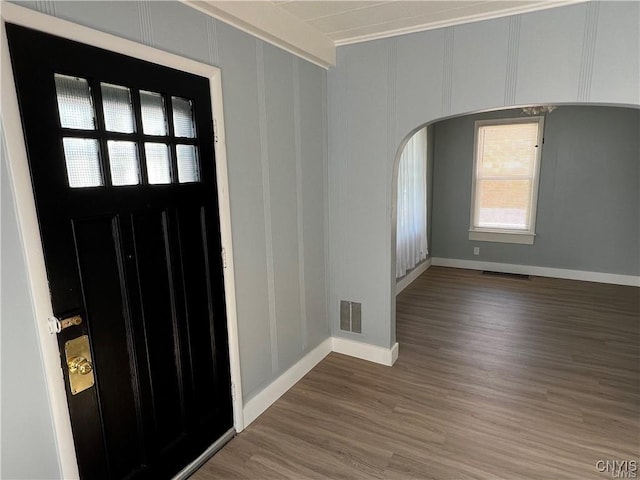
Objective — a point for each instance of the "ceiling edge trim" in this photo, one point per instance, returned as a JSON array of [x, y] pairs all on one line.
[[458, 21], [274, 25]]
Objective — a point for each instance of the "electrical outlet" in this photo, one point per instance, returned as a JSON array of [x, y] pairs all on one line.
[[476, 250]]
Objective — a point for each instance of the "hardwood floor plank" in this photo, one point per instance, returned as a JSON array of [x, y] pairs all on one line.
[[497, 378]]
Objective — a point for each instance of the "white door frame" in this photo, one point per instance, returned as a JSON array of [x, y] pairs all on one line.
[[28, 222]]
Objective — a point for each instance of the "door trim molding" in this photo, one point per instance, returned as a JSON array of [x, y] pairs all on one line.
[[20, 180]]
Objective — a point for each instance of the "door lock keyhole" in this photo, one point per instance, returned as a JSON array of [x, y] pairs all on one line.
[[80, 365]]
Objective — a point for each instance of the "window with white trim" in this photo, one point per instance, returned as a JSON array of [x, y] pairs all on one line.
[[506, 168]]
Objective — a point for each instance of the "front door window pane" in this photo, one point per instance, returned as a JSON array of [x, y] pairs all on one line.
[[83, 162], [158, 165], [183, 117], [188, 170], [154, 119], [75, 107], [123, 160], [118, 111]]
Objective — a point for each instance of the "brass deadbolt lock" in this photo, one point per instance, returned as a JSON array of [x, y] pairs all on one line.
[[78, 357], [80, 365]]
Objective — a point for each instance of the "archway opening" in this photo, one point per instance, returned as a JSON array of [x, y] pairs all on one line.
[[587, 207]]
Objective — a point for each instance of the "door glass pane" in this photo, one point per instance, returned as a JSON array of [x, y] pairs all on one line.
[[123, 160], [74, 102], [83, 162], [118, 111], [154, 118], [183, 117], [158, 166], [188, 170]]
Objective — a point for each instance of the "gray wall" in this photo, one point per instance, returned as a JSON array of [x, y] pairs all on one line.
[[588, 215], [275, 114], [28, 445], [382, 90]]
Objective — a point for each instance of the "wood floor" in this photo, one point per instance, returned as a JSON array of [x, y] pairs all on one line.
[[497, 378]]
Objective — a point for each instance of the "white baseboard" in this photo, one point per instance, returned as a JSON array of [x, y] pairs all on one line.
[[257, 404], [365, 351], [254, 407], [394, 352], [408, 279], [612, 278]]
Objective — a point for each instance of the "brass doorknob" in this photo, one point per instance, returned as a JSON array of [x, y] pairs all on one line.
[[80, 365]]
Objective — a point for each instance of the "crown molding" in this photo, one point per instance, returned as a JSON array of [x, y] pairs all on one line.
[[274, 25], [267, 21], [457, 21]]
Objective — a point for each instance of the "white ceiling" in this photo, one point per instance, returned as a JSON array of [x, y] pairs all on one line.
[[313, 28], [349, 21]]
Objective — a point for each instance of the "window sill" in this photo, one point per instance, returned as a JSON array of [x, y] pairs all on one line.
[[524, 238]]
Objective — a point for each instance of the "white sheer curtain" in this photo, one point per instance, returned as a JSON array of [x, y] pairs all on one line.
[[411, 229]]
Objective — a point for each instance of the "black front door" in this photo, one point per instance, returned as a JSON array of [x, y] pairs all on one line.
[[122, 163]]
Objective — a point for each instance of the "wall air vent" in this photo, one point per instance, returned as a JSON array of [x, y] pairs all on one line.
[[350, 316], [505, 274]]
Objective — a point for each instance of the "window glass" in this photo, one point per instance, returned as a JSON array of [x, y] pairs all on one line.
[[83, 156], [183, 117], [75, 107], [154, 118], [506, 159], [123, 161], [82, 159], [508, 150], [158, 164], [118, 111], [504, 204], [188, 169]]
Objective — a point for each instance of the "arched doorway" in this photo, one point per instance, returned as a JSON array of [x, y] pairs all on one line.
[[586, 185]]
